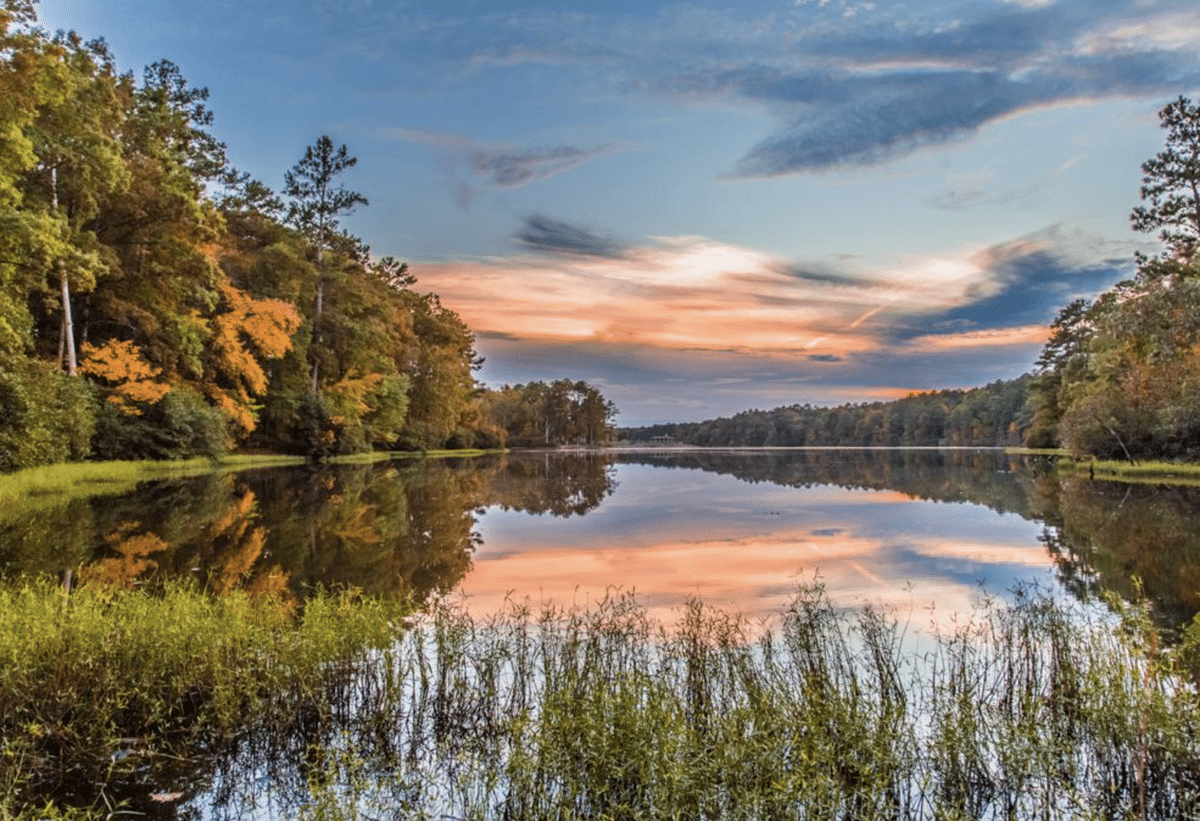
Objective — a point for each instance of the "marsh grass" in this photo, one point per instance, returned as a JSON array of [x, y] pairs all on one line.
[[96, 684], [1025, 709], [112, 478], [1153, 472]]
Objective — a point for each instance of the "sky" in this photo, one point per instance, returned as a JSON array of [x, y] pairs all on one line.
[[703, 208]]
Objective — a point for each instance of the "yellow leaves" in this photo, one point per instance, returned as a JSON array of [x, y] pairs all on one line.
[[350, 393], [131, 378], [245, 332]]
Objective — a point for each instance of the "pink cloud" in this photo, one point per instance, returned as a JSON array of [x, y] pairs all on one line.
[[692, 292]]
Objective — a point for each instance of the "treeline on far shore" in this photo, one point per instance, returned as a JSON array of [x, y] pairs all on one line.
[[995, 415], [155, 302]]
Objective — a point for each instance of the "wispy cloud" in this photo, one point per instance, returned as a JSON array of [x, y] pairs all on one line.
[[694, 292], [473, 166], [847, 82], [861, 83], [638, 315]]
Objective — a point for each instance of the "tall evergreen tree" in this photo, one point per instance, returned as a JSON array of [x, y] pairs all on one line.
[[1171, 185], [317, 202]]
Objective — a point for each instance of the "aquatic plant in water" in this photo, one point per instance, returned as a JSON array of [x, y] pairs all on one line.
[[1024, 710]]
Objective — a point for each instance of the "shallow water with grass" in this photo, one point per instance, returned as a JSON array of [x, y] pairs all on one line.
[[800, 634]]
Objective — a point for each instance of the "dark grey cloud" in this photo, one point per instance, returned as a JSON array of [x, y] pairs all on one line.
[[498, 335], [819, 276], [864, 120], [473, 166], [1030, 280], [508, 168], [541, 233]]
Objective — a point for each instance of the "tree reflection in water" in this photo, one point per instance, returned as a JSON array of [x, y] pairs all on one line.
[[397, 528], [409, 528]]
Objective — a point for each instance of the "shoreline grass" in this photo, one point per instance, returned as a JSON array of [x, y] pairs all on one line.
[[1021, 711], [113, 478], [101, 682], [1156, 472], [1018, 451]]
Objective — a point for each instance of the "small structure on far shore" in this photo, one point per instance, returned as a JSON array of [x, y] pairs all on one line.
[[665, 439]]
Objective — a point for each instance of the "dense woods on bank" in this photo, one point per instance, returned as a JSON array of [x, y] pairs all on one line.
[[1119, 377], [155, 302], [996, 415]]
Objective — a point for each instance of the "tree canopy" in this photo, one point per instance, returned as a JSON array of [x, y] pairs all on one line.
[[1120, 375], [157, 302]]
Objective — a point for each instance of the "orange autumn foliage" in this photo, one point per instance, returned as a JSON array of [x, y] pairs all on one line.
[[247, 331], [132, 559], [132, 380]]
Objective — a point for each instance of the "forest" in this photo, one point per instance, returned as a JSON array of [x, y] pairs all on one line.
[[155, 302], [995, 415], [1119, 377]]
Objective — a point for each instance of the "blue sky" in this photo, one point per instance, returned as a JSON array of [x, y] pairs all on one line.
[[707, 207]]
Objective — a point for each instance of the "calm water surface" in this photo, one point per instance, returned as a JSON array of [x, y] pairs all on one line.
[[741, 531], [914, 529]]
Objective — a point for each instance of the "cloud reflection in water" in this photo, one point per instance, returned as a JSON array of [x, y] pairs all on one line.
[[671, 535]]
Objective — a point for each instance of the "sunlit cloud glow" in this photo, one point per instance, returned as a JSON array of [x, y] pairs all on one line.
[[693, 292], [634, 316]]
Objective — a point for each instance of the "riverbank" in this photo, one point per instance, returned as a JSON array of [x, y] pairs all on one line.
[[109, 478], [1148, 472]]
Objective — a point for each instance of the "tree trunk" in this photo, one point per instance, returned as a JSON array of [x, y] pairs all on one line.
[[68, 331], [317, 332], [316, 337]]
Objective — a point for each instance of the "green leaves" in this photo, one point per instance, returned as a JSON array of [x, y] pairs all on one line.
[[1120, 376], [317, 200]]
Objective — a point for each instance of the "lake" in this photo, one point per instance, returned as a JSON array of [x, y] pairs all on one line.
[[912, 530], [922, 535]]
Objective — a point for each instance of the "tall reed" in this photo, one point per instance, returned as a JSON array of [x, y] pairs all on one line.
[[99, 680], [1025, 711]]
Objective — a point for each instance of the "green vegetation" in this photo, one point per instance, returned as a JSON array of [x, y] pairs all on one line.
[[110, 478], [156, 303], [992, 416], [1120, 376], [99, 683], [560, 413], [1024, 710], [1156, 472]]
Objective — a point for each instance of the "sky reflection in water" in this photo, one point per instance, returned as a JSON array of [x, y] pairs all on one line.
[[670, 535]]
